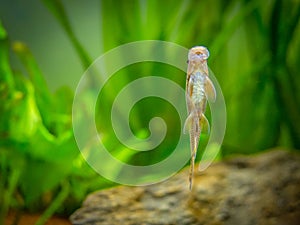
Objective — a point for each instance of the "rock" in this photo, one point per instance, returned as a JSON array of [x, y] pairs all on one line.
[[246, 190]]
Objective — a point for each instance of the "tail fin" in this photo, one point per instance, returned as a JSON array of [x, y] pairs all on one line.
[[191, 174], [195, 128]]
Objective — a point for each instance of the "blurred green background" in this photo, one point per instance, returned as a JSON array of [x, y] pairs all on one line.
[[46, 45]]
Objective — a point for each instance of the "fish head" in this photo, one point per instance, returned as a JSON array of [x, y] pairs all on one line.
[[198, 53]]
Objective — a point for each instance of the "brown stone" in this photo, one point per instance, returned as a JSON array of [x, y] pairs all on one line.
[[246, 190]]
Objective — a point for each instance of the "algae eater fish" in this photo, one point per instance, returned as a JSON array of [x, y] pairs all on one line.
[[199, 89]]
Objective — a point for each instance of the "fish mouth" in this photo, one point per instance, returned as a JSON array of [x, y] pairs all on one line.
[[201, 56]]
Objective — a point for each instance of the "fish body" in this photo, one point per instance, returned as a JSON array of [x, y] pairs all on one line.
[[199, 88]]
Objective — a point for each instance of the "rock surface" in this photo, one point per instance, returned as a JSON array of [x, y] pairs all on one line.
[[246, 190]]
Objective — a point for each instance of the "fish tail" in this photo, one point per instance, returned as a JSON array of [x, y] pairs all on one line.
[[191, 175], [194, 124], [194, 139]]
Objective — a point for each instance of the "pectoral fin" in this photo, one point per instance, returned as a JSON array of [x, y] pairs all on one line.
[[210, 90]]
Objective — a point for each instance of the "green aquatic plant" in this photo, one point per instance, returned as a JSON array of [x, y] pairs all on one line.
[[255, 52], [38, 152]]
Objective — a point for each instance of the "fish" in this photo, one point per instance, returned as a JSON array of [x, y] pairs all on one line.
[[199, 90]]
